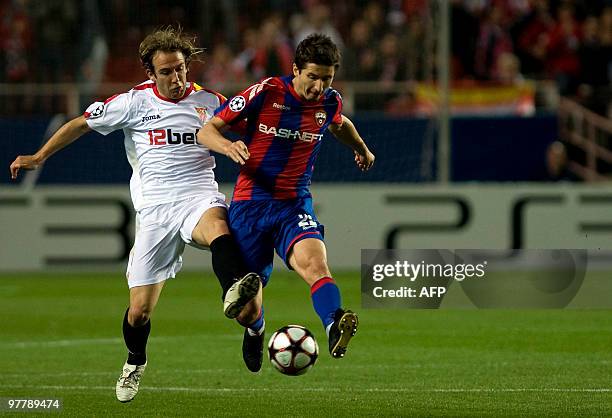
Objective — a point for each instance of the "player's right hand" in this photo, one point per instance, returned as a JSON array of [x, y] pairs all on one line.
[[26, 162], [238, 152], [365, 161]]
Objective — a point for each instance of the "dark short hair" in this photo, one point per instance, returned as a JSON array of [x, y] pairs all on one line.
[[168, 39], [317, 49]]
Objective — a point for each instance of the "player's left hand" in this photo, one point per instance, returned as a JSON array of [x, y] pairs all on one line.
[[364, 162]]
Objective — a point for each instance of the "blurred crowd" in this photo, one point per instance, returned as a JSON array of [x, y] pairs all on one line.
[[386, 41]]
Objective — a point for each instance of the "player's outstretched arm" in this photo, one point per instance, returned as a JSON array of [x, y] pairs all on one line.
[[64, 136], [348, 135], [210, 136]]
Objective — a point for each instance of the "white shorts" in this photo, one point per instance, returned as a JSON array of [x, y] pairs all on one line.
[[161, 234]]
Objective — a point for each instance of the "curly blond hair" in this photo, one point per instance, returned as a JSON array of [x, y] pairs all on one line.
[[167, 39]]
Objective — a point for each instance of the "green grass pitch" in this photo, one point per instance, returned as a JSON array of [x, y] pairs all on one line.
[[60, 337]]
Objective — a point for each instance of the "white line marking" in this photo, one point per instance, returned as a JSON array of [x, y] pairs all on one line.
[[109, 341], [61, 343], [163, 372], [343, 390], [32, 375]]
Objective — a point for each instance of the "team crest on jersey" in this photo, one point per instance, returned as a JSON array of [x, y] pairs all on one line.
[[202, 113], [320, 117], [96, 113], [237, 104]]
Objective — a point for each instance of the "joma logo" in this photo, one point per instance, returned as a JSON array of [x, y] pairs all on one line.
[[152, 117]]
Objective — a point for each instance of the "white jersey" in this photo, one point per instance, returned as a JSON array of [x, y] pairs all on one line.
[[160, 141]]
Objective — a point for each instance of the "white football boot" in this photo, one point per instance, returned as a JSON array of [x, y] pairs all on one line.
[[127, 384], [241, 293]]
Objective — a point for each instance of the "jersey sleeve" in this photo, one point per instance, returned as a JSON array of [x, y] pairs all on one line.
[[110, 115], [244, 103], [337, 118]]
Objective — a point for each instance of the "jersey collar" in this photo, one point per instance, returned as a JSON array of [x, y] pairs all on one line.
[[188, 91], [289, 83]]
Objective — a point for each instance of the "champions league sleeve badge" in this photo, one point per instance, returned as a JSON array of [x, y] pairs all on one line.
[[237, 104], [96, 113]]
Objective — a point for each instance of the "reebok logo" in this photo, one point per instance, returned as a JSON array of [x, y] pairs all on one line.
[[280, 106]]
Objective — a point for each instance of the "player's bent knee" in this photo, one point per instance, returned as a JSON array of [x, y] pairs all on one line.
[[212, 230], [219, 227], [139, 315], [316, 268]]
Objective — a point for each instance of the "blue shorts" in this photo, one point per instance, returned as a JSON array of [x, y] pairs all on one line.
[[262, 226]]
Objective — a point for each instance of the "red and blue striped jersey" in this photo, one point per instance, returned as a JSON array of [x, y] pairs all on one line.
[[283, 134]]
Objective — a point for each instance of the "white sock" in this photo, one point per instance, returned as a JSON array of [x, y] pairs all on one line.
[[260, 331], [327, 328]]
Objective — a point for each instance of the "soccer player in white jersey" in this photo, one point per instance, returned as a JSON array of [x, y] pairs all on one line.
[[173, 188]]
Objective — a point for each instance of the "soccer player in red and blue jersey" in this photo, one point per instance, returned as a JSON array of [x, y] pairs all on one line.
[[272, 206]]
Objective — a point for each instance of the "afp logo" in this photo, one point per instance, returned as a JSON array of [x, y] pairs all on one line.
[[320, 117], [167, 137]]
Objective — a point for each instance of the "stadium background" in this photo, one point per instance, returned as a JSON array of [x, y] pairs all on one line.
[[530, 106]]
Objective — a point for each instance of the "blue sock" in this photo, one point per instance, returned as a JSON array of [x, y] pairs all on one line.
[[325, 299], [258, 326]]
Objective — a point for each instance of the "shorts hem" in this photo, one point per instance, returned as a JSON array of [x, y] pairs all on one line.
[[139, 283], [150, 204], [300, 237]]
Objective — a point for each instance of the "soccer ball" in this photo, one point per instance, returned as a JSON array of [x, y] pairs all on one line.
[[293, 350]]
